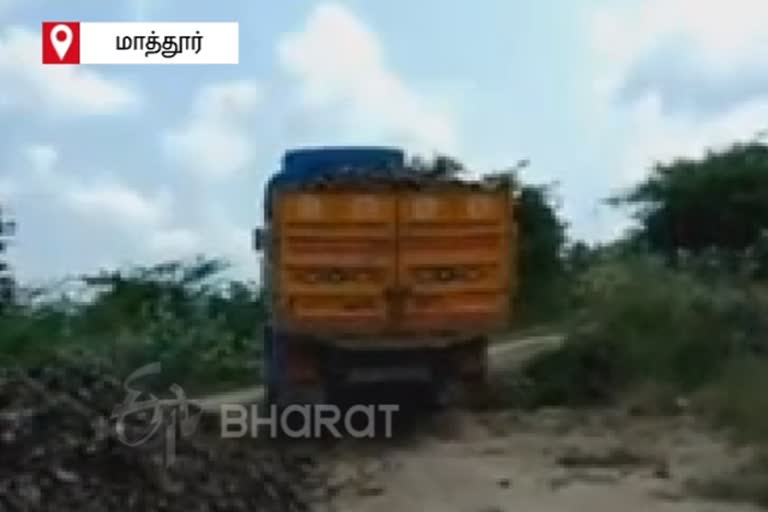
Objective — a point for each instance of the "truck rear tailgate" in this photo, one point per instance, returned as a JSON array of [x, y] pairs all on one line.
[[387, 262]]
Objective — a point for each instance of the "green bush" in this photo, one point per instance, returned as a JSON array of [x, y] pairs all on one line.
[[205, 331], [738, 401], [640, 321]]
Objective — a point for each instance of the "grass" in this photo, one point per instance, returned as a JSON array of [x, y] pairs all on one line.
[[639, 322], [738, 400]]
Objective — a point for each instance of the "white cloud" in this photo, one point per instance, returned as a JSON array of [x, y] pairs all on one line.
[[698, 57], [342, 67], [42, 158], [119, 222], [227, 237], [656, 137], [114, 202], [103, 199], [679, 76], [149, 220], [175, 242], [720, 29], [72, 90], [217, 237], [8, 189], [234, 242], [215, 142]]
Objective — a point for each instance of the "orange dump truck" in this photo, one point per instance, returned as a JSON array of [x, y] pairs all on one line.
[[378, 274]]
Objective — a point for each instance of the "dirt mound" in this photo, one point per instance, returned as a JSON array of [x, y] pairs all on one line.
[[58, 452]]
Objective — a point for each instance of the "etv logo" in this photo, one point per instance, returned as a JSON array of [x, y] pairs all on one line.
[[61, 42]]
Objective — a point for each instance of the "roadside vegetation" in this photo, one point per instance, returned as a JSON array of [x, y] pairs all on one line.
[[674, 316], [205, 330]]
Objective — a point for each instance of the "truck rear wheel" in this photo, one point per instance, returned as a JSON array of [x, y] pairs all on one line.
[[473, 374]]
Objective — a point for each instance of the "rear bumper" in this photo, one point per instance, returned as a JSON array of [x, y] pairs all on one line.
[[317, 364], [411, 364], [379, 374], [406, 342]]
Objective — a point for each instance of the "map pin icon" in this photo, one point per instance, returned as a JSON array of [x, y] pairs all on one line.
[[61, 39]]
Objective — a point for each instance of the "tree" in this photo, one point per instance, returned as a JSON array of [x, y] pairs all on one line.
[[578, 257], [540, 248], [7, 230], [717, 202], [178, 289], [541, 240], [541, 243]]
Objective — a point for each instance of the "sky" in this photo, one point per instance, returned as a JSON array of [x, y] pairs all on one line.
[[105, 166]]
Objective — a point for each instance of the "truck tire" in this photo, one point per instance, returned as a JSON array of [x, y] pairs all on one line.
[[474, 385]]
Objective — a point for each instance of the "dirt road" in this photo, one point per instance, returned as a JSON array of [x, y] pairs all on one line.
[[551, 461], [548, 461], [511, 352]]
